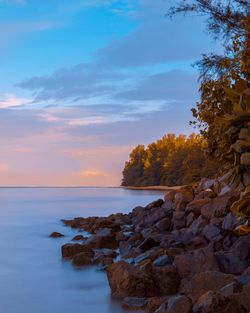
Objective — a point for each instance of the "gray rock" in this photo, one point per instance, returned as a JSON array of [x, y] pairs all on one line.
[[134, 303], [163, 260], [211, 232]]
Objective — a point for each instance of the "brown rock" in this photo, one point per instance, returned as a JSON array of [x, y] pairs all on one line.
[[176, 304], [148, 244], [196, 205], [71, 249], [204, 282], [154, 303], [214, 303], [167, 279], [164, 224], [126, 280], [102, 239], [78, 238], [193, 262], [183, 197], [56, 235], [245, 159], [83, 258], [179, 220]]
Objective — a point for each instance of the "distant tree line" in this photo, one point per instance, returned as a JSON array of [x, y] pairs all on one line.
[[172, 160]]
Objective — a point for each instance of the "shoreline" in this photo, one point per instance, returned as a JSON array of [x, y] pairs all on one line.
[[182, 251], [154, 188]]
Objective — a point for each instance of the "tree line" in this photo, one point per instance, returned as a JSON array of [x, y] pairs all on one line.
[[172, 160]]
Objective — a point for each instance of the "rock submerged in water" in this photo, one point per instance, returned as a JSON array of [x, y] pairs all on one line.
[[177, 255], [56, 235]]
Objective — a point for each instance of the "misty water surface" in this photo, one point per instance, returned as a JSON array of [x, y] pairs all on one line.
[[33, 277]]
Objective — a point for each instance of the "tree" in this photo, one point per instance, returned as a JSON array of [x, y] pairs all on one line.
[[223, 114], [169, 161]]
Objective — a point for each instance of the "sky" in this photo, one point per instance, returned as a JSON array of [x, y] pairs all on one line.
[[84, 81]]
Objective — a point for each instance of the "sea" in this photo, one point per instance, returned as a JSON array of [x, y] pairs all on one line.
[[33, 276]]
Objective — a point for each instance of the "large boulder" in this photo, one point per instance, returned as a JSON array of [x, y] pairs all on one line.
[[204, 282], [126, 280], [212, 232], [193, 262], [183, 197], [167, 279], [212, 302], [236, 259], [83, 258], [71, 249]]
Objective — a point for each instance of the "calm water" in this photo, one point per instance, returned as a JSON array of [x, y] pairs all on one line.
[[33, 278]]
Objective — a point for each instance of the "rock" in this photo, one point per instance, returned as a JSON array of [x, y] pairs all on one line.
[[83, 258], [143, 256], [196, 243], [230, 263], [176, 304], [164, 224], [196, 205], [246, 177], [235, 260], [134, 304], [148, 244], [230, 289], [154, 303], [222, 204], [155, 204], [69, 250], [204, 282], [241, 146], [163, 260], [212, 302], [167, 279], [211, 232], [153, 216], [243, 297], [205, 194], [230, 222], [104, 256], [56, 235], [183, 197], [245, 159], [78, 238], [179, 220], [207, 210], [169, 198], [193, 262], [197, 226], [126, 280], [205, 183], [244, 134], [241, 247], [189, 219], [102, 239]]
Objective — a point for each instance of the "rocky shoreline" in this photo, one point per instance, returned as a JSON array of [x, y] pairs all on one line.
[[183, 254]]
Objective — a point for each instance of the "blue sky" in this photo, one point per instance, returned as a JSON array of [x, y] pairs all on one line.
[[83, 81]]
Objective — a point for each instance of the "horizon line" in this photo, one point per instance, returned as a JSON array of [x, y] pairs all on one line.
[[44, 186]]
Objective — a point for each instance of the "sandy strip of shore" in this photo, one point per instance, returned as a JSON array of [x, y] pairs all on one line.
[[156, 188]]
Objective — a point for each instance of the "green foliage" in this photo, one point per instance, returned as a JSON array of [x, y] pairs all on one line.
[[169, 161]]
